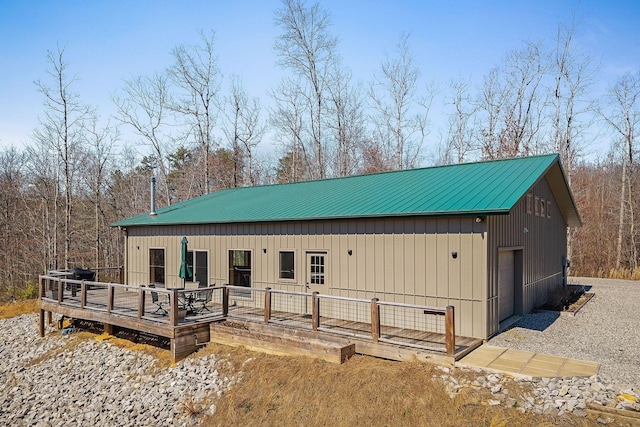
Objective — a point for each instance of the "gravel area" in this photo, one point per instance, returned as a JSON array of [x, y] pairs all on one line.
[[44, 383], [53, 381], [606, 330]]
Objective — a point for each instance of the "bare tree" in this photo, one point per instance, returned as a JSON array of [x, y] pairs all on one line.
[[460, 137], [490, 105], [400, 113], [572, 72], [243, 130], [572, 107], [15, 224], [287, 119], [101, 141], [62, 128], [511, 105], [623, 117], [197, 76], [525, 70], [346, 121], [308, 49], [144, 108]]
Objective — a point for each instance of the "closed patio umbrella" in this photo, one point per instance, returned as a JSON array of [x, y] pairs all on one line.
[[185, 270]]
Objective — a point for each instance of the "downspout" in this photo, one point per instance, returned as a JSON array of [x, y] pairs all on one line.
[[125, 273]]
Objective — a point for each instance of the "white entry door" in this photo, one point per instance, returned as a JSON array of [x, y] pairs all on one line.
[[317, 272], [506, 284]]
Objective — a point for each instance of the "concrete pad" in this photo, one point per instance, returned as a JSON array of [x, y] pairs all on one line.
[[538, 372], [507, 365], [519, 356], [543, 364], [526, 363], [547, 357]]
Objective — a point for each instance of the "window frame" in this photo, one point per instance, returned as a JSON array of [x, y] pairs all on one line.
[[528, 202], [232, 266], [293, 265], [153, 267]]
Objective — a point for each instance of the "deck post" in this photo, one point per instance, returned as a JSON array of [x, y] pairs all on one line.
[[315, 313], [60, 290], [83, 294], [173, 315], [109, 298], [225, 301], [375, 320], [49, 318], [41, 323], [121, 268], [141, 302], [108, 329], [267, 305], [41, 319], [450, 330]]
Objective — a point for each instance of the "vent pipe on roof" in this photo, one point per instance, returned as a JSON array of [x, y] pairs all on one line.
[[153, 196]]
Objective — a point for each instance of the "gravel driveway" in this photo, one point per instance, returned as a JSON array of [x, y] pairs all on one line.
[[606, 330]]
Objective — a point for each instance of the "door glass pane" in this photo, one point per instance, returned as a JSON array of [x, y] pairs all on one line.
[[189, 277], [240, 268], [202, 268], [316, 270], [156, 266]]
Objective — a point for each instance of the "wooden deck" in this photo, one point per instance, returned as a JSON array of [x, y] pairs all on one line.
[[122, 306], [394, 343]]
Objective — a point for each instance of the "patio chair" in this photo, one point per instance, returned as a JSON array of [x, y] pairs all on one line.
[[160, 303], [202, 299], [192, 285]]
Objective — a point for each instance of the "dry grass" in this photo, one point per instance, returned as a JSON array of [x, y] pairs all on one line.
[[299, 391], [622, 274], [16, 308], [626, 274]]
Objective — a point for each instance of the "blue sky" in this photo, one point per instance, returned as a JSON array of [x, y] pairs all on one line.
[[108, 41]]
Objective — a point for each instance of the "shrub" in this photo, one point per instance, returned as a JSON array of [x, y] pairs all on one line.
[[30, 291]]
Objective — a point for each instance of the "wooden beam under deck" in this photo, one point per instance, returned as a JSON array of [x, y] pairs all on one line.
[[113, 319]]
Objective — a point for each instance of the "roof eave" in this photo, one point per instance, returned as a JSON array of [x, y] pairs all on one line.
[[157, 220]]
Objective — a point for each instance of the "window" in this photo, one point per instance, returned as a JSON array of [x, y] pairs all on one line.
[[548, 208], [287, 265], [316, 269], [537, 205], [156, 266], [542, 208], [528, 203], [198, 262], [240, 268]]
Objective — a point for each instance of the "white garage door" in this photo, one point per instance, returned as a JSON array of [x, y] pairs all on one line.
[[505, 284]]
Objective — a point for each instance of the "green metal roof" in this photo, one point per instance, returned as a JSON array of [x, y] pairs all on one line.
[[482, 188]]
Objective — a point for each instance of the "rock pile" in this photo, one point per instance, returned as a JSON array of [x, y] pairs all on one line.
[[552, 396], [96, 383], [47, 382]]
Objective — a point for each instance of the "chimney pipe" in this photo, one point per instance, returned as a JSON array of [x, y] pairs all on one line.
[[153, 196]]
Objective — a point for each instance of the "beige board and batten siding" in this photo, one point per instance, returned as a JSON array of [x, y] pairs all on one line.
[[406, 260], [538, 243]]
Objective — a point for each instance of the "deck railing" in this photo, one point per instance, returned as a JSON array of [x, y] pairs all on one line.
[[142, 302], [424, 327], [418, 326]]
